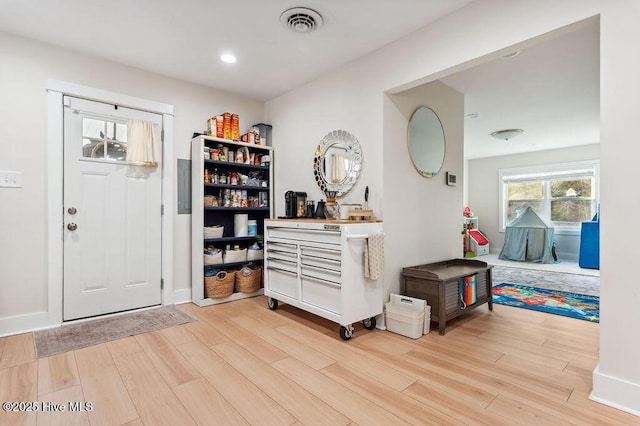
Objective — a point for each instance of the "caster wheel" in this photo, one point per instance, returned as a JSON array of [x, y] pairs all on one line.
[[370, 323], [345, 333], [273, 304]]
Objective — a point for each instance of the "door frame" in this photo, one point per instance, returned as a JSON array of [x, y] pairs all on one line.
[[56, 89]]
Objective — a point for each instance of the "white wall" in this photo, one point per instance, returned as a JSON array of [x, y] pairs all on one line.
[[353, 98], [484, 189], [418, 223], [25, 68]]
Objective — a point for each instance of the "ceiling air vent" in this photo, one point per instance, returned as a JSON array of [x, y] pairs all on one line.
[[301, 19]]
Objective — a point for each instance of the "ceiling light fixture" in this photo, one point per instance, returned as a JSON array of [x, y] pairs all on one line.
[[301, 19], [511, 55], [507, 134], [228, 58], [473, 115]]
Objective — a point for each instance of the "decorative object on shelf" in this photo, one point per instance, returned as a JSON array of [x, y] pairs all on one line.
[[331, 209], [337, 162], [360, 214], [426, 142], [319, 214], [220, 285]]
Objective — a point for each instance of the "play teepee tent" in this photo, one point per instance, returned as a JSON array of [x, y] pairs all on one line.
[[528, 239]]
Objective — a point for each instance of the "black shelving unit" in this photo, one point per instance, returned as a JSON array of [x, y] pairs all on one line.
[[258, 206]]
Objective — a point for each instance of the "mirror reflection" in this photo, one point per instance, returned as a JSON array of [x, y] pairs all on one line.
[[426, 141], [337, 162]]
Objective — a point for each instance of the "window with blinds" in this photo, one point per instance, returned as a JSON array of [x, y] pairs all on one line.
[[562, 194]]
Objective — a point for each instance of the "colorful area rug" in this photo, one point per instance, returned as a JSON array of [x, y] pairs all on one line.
[[581, 306]]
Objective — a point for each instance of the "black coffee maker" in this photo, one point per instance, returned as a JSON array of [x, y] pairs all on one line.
[[295, 204]]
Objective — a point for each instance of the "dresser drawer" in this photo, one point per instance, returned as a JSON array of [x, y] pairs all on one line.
[[334, 275], [280, 247], [323, 294], [284, 264], [306, 234], [282, 281], [320, 252], [318, 262]]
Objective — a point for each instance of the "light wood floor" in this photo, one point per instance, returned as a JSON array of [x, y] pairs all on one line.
[[243, 364]]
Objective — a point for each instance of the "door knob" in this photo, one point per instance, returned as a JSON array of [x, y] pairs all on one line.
[[72, 227], [72, 210]]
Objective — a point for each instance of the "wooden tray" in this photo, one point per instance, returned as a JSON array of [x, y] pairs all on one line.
[[360, 214]]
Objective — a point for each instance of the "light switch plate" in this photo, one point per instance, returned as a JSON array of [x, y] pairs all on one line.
[[10, 179]]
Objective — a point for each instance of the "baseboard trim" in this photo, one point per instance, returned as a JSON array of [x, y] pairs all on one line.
[[615, 392], [182, 296], [20, 324]]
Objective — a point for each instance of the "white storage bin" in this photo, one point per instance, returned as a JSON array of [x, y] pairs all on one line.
[[405, 315], [213, 231], [232, 256], [213, 259]]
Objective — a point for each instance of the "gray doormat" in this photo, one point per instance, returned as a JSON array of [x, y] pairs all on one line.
[[88, 333]]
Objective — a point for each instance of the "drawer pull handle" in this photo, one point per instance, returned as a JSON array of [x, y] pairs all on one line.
[[275, 259], [284, 271], [321, 250], [319, 269], [289, 246], [329, 283], [284, 253], [323, 259]]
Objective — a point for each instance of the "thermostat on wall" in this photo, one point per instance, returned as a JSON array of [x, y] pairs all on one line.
[[451, 179]]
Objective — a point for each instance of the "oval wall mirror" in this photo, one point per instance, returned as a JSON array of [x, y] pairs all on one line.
[[337, 163], [425, 139]]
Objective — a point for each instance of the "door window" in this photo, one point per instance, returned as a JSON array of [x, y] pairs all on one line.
[[104, 139]]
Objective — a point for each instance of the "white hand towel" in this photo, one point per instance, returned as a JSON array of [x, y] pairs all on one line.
[[374, 256]]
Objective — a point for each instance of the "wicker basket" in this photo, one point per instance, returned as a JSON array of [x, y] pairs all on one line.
[[248, 280], [213, 231], [220, 285]]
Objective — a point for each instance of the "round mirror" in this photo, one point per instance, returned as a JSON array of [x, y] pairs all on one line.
[[426, 141], [337, 162]]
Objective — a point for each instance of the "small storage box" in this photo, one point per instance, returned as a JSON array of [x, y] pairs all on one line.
[[232, 256], [255, 254], [213, 259], [405, 315], [213, 231]]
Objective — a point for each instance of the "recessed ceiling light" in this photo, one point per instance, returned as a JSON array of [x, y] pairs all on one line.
[[228, 58]]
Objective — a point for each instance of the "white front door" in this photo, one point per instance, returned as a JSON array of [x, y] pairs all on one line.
[[112, 213]]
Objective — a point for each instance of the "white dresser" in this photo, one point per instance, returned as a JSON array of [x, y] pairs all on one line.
[[318, 266]]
